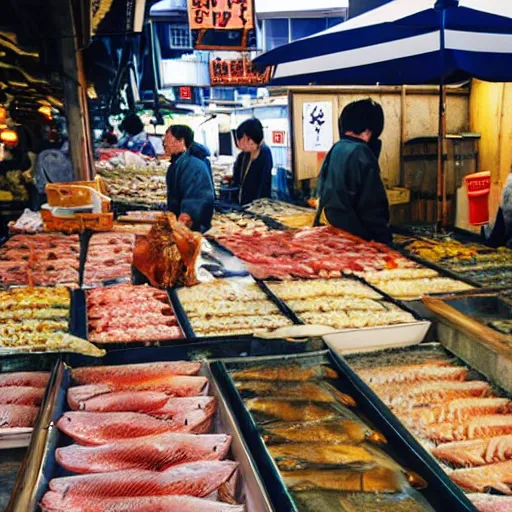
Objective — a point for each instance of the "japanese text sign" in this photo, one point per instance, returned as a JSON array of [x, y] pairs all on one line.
[[221, 14]]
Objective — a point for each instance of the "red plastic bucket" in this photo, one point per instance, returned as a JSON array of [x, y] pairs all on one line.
[[478, 186]]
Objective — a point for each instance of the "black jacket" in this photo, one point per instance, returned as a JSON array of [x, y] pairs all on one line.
[[351, 191], [190, 187], [255, 182]]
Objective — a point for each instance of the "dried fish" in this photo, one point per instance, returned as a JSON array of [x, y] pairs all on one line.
[[291, 372]]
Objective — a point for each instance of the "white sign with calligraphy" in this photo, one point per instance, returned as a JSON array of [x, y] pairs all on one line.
[[317, 126]]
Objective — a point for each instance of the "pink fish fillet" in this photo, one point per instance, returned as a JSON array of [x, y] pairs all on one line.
[[130, 373], [98, 398], [491, 503], [95, 428], [55, 502], [18, 416], [198, 479], [478, 452], [174, 385], [21, 395], [494, 476], [156, 453], [32, 379]]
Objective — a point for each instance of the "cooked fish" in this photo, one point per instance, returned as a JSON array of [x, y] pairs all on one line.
[[340, 431], [265, 410], [294, 456], [321, 392], [378, 479], [291, 372]]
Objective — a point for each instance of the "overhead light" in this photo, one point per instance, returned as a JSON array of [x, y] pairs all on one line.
[[9, 137]]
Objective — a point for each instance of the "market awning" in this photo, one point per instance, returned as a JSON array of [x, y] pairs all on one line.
[[400, 43]]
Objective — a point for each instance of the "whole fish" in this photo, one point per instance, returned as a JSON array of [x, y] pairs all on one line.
[[429, 371], [288, 373], [265, 410], [494, 476], [132, 373], [198, 479], [291, 391], [377, 479], [56, 502], [339, 431], [477, 452], [156, 453], [96, 428]]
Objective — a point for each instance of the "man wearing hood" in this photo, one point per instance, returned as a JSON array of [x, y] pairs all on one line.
[[190, 192], [351, 192]]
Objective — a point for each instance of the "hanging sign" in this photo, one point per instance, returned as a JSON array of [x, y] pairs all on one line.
[[221, 14], [237, 72], [317, 126]]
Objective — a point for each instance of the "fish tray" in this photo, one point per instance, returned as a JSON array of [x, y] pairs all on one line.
[[81, 326], [40, 466], [24, 363], [462, 329], [441, 493]]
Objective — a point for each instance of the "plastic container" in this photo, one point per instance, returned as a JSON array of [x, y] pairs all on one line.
[[478, 186]]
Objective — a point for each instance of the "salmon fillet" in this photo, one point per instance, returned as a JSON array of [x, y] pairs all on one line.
[[55, 502], [12, 416], [172, 385], [156, 453], [96, 428], [32, 379], [478, 452], [130, 373], [21, 395], [494, 476], [193, 479]]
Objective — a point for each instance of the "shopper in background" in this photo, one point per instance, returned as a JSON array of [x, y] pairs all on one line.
[[351, 192], [190, 194], [500, 235], [134, 137], [252, 172]]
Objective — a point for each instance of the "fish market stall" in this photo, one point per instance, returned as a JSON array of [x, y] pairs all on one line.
[[462, 419], [320, 444], [151, 434]]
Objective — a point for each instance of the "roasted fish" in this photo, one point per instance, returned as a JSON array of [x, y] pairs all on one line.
[[291, 372], [265, 410], [339, 431], [378, 479], [321, 392]]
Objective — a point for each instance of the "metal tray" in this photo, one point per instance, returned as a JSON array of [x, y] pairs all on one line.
[[40, 466], [441, 493], [80, 323]]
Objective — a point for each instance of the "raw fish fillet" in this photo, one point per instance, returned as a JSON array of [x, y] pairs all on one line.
[[170, 385], [475, 428], [95, 428], [156, 453], [433, 370], [18, 416], [491, 503], [478, 452], [21, 395], [194, 479], [98, 398], [32, 379], [495, 476], [55, 502], [130, 373]]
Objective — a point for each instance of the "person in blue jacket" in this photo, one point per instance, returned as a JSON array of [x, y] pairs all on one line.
[[252, 172], [350, 190], [190, 192]]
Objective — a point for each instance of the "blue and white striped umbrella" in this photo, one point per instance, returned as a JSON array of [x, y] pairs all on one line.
[[404, 42]]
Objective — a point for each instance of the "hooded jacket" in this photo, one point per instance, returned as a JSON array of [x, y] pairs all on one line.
[[351, 191], [501, 234], [190, 187]]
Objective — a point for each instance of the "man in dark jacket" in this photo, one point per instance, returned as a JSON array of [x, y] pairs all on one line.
[[252, 172], [190, 193], [351, 192]]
